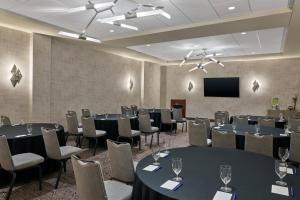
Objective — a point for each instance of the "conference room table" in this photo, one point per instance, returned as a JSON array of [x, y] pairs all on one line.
[[20, 142], [253, 119], [241, 130], [252, 175]]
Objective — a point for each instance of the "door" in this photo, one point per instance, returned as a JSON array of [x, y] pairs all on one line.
[[179, 103]]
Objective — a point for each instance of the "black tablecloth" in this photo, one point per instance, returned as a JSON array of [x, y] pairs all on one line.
[[252, 176], [26, 144], [252, 120], [241, 130]]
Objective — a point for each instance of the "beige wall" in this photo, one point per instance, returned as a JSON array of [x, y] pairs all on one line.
[[276, 78], [151, 85]]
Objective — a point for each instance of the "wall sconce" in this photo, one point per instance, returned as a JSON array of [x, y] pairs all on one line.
[[16, 75], [130, 84], [255, 86], [191, 86]]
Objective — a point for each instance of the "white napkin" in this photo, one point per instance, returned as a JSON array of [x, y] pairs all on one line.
[[17, 136], [276, 189], [284, 134], [217, 127], [171, 185], [288, 170], [163, 155], [222, 196], [151, 168]]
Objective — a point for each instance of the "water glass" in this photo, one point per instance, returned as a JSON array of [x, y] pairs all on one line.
[[166, 143], [283, 154], [106, 115], [56, 125], [29, 128], [257, 129], [225, 175], [281, 171], [156, 155], [218, 122], [177, 167], [233, 127], [223, 121]]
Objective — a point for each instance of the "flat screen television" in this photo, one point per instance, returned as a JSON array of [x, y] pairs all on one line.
[[222, 87]]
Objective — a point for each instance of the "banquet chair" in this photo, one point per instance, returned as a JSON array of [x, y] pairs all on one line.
[[90, 132], [5, 120], [241, 120], [295, 148], [166, 119], [86, 112], [177, 116], [146, 128], [74, 114], [266, 122], [294, 124], [259, 144], [133, 109], [18, 162], [125, 111], [274, 113], [223, 139], [207, 123], [124, 129], [198, 134], [121, 161], [91, 185], [73, 130], [59, 153], [222, 115], [143, 111]]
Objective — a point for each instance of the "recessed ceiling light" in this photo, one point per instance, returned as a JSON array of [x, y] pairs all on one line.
[[243, 33], [231, 8], [148, 45], [111, 30]]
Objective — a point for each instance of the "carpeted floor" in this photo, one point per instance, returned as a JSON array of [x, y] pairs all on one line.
[[67, 186]]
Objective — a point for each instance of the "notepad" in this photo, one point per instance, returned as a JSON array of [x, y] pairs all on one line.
[[288, 170], [276, 189], [17, 136], [151, 168], [223, 196], [163, 155], [171, 185]]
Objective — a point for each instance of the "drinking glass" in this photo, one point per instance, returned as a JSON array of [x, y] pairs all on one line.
[[166, 145], [225, 175], [106, 115], [233, 127], [257, 129], [218, 123], [29, 128], [281, 117], [283, 154], [281, 171], [156, 155], [223, 121], [56, 125], [177, 167]]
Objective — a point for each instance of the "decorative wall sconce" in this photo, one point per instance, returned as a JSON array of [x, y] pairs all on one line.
[[191, 86], [130, 84], [16, 75], [255, 86]]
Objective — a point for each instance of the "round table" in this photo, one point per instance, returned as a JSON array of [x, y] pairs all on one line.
[[20, 142], [252, 175], [241, 130], [252, 120]]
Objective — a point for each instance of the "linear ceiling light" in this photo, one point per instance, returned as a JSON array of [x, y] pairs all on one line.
[[79, 36], [123, 25]]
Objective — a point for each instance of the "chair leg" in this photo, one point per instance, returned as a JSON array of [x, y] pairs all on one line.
[[81, 142], [140, 141], [40, 177], [12, 183], [151, 141], [158, 133], [182, 127], [95, 147], [59, 174], [67, 137], [65, 166], [186, 126], [145, 138]]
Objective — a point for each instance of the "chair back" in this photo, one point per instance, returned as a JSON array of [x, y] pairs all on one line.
[[143, 111], [259, 144], [295, 147], [197, 134], [177, 114], [88, 126], [89, 179], [294, 124], [274, 113], [166, 116], [86, 112], [121, 162], [124, 127], [74, 114], [266, 122], [133, 109], [223, 139], [51, 143], [72, 124], [125, 110], [5, 154], [241, 120], [145, 123], [5, 120], [222, 115], [207, 123]]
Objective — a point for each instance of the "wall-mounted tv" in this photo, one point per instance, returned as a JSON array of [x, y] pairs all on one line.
[[222, 87]]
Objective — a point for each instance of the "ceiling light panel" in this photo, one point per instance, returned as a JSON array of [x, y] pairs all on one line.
[[222, 8], [259, 5]]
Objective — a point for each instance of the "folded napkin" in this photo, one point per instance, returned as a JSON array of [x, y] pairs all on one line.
[[171, 185], [284, 135], [152, 168], [289, 170], [224, 196], [18, 136], [286, 191], [163, 155], [217, 127]]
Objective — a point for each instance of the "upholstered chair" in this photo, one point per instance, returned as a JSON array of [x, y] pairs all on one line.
[[259, 144], [294, 124], [198, 134], [91, 185], [74, 114], [86, 112], [241, 120], [90, 132], [59, 153], [5, 120], [18, 162], [223, 139], [177, 116], [124, 129], [207, 124], [266, 122], [295, 148], [146, 128], [73, 130], [166, 119], [222, 115]]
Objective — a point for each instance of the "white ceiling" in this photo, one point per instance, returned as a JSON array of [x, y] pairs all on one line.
[[182, 12], [237, 44]]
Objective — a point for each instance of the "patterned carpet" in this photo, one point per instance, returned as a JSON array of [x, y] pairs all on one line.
[[67, 186]]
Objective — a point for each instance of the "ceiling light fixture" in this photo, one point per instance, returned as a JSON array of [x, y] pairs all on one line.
[[111, 30], [243, 33], [123, 25], [79, 36], [231, 8], [148, 45]]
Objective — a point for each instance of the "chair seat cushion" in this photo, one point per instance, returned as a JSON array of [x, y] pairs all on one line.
[[151, 120], [173, 121], [100, 133], [26, 160], [154, 129], [116, 190], [80, 130], [67, 151], [183, 120], [209, 142], [135, 133]]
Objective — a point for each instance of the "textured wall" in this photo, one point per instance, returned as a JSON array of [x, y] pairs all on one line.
[[151, 85], [276, 78], [14, 49]]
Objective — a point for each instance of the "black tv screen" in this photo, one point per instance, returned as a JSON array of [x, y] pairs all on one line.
[[222, 87]]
